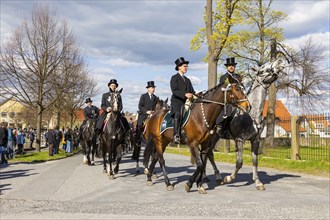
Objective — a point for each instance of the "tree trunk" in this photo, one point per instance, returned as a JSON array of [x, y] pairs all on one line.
[[271, 102], [212, 72], [58, 119], [39, 126]]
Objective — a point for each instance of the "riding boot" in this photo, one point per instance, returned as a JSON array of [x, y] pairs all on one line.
[[177, 137]]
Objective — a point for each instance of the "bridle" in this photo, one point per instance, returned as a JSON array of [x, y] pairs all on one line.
[[225, 90]]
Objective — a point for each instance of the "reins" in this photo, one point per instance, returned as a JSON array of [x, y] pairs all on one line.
[[202, 101]]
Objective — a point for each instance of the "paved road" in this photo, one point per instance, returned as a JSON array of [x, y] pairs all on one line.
[[67, 189]]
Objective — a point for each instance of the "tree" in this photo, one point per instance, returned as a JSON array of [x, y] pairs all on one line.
[[217, 32], [258, 44], [307, 82], [32, 60]]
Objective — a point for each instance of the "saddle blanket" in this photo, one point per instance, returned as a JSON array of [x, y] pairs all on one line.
[[168, 122]]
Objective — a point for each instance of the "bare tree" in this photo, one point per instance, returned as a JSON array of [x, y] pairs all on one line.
[[32, 58], [307, 83]]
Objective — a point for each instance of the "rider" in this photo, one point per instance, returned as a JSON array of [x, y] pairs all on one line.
[[147, 105], [222, 121], [106, 107], [90, 112], [182, 90]]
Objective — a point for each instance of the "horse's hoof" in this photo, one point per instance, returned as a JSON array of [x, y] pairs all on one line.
[[150, 183], [201, 190], [220, 182], [146, 171], [228, 179], [154, 176], [261, 187], [187, 187], [84, 162], [112, 177], [105, 171], [170, 187]]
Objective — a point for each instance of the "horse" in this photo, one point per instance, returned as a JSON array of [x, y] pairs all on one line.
[[87, 141], [248, 126], [198, 129], [161, 104], [113, 137]]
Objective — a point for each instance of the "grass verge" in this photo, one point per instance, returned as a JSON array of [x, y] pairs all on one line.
[[319, 168], [38, 157]]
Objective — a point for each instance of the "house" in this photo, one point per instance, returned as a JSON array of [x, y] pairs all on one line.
[[317, 124], [282, 121], [11, 111]]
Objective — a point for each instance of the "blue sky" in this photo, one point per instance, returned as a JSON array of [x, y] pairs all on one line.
[[138, 41]]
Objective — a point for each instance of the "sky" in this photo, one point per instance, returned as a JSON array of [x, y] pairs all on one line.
[[138, 41]]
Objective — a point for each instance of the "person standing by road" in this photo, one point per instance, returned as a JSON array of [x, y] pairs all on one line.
[[3, 142]]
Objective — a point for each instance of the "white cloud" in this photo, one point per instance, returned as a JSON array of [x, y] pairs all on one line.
[[119, 62]]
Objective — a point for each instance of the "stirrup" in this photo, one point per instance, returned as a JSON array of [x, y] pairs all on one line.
[[177, 139]]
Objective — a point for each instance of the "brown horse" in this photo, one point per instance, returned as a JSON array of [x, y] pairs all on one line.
[[198, 128], [161, 104]]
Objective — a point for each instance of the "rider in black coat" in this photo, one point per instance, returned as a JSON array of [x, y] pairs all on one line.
[[147, 105], [90, 112], [105, 105], [222, 120], [182, 90]]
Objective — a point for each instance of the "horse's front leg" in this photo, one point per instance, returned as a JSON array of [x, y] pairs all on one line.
[[199, 169], [83, 146], [239, 160], [88, 153], [254, 150], [93, 154], [104, 154], [118, 157], [110, 161]]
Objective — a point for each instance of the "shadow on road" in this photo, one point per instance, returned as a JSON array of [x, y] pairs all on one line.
[[13, 174]]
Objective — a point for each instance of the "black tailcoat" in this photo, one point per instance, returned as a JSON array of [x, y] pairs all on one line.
[[179, 87], [146, 104]]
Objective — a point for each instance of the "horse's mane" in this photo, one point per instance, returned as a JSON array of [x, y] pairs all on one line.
[[212, 89]]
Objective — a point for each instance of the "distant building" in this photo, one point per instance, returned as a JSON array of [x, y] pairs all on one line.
[[11, 112], [282, 121]]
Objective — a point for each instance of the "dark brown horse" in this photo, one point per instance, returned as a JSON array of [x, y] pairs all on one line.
[[161, 104], [197, 129], [113, 137]]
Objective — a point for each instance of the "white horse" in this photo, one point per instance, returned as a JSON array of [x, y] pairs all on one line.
[[248, 126]]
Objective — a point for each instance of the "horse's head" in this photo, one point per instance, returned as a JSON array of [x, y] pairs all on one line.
[[235, 95], [162, 104], [269, 72], [114, 100]]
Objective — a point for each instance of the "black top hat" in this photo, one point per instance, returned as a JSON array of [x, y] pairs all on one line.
[[113, 81], [88, 100], [150, 84], [230, 61], [179, 62]]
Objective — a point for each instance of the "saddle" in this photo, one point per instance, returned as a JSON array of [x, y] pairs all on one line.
[[167, 122]]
